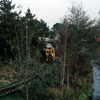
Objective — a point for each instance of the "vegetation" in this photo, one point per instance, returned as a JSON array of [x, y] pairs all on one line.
[[14, 96], [22, 39]]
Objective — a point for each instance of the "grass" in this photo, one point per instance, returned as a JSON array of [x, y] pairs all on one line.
[[13, 96]]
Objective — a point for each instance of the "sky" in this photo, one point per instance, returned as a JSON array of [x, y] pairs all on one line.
[[52, 11]]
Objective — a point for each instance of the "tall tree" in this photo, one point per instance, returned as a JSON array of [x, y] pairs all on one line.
[[64, 52], [7, 19], [81, 35], [79, 21], [78, 27]]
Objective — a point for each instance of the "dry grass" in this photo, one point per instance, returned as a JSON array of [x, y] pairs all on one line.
[[7, 75]]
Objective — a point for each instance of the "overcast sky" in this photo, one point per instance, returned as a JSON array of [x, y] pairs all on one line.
[[52, 11]]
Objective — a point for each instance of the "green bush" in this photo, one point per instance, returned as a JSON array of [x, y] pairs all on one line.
[[46, 78]]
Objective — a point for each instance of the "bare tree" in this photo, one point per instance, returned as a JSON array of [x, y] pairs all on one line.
[[64, 35], [22, 43]]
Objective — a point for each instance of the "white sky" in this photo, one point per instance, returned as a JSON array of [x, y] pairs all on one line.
[[52, 10]]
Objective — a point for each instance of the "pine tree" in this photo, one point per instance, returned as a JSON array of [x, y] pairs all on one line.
[[7, 19]]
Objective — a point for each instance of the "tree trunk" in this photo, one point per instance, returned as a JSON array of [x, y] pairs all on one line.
[[68, 71], [64, 65]]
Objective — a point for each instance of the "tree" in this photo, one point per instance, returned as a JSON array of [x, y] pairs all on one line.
[[80, 36], [75, 34], [64, 54], [24, 32], [27, 32], [7, 20], [43, 29], [57, 27], [80, 22]]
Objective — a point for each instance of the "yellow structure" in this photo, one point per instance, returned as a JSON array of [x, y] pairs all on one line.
[[50, 54]]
